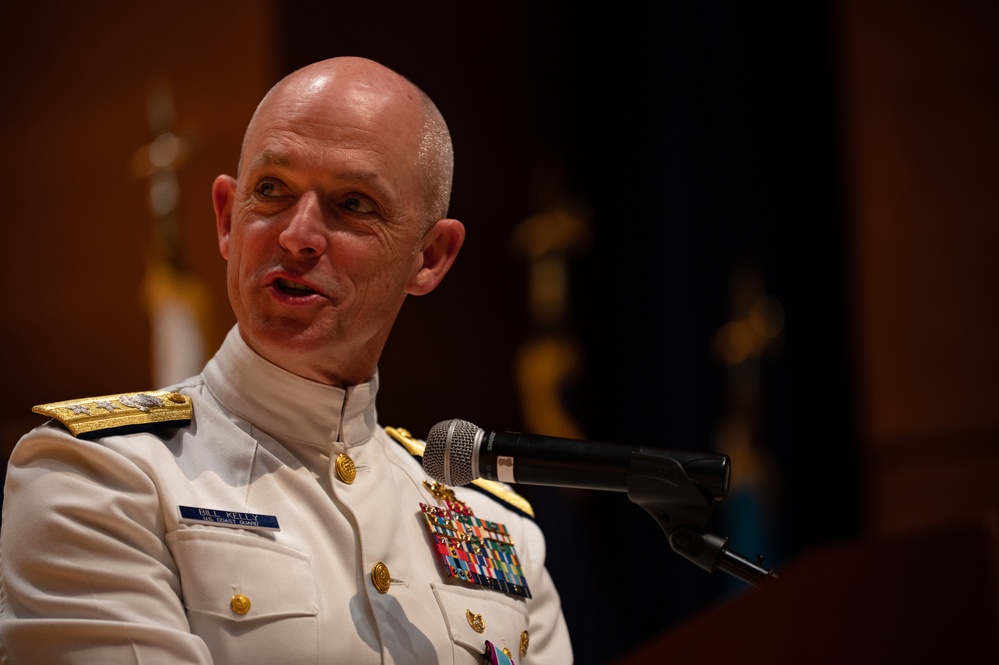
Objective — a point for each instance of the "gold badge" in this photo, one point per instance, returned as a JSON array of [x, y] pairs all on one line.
[[475, 621]]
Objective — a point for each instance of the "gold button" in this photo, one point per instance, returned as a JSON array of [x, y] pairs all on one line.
[[239, 604], [381, 578], [475, 621], [525, 638], [345, 469]]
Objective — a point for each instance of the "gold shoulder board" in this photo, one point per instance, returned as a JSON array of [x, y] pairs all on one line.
[[126, 412], [497, 490]]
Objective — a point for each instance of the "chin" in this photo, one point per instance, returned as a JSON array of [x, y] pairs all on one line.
[[286, 339]]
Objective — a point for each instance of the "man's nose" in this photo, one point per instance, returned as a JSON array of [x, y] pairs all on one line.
[[305, 233]]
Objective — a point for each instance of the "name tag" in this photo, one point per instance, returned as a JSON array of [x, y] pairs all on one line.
[[192, 515]]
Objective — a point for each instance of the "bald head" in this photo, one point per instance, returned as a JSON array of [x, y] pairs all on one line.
[[336, 216], [369, 88]]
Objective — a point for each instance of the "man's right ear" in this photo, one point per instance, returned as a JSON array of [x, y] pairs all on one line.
[[223, 195]]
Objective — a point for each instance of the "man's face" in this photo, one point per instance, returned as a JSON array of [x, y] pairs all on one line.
[[322, 230]]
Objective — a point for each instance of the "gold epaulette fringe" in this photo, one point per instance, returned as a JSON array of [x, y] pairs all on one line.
[[94, 415]]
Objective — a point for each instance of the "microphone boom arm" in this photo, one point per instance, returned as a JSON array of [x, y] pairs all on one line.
[[682, 507]]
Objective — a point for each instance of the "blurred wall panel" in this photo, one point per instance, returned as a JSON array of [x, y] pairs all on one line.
[[920, 103], [79, 227]]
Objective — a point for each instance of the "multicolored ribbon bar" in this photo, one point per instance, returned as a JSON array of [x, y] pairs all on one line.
[[473, 550]]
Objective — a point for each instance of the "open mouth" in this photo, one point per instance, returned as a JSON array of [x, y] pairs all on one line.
[[292, 288]]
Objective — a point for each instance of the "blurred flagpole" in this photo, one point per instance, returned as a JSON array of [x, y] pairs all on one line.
[[177, 302]]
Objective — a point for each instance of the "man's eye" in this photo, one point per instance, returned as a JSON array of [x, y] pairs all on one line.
[[358, 204], [269, 189]]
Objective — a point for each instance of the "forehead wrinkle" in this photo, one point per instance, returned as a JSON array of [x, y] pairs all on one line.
[[271, 157]]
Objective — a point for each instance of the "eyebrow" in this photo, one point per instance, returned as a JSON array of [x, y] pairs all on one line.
[[270, 157], [281, 159]]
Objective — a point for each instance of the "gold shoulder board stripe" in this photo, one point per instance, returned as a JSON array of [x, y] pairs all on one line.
[[113, 412], [498, 490]]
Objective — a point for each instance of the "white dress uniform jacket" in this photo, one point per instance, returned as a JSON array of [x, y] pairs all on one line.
[[97, 566]]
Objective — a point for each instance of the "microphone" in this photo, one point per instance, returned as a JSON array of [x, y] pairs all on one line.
[[458, 452]]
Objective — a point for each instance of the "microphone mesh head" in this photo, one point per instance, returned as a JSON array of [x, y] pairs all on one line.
[[448, 455]]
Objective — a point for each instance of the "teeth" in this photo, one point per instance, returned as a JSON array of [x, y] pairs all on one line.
[[292, 286]]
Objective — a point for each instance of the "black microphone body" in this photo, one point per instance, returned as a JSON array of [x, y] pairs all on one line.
[[677, 488], [543, 460], [458, 452]]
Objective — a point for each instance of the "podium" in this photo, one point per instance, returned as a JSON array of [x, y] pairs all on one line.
[[924, 598]]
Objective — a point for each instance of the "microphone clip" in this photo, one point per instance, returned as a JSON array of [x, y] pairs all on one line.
[[682, 507]]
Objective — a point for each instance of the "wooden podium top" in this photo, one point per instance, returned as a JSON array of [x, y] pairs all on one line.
[[926, 598]]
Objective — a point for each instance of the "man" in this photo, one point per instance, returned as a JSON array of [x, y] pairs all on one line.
[[257, 513]]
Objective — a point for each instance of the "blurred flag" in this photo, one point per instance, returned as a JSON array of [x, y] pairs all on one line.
[[178, 302], [178, 306]]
